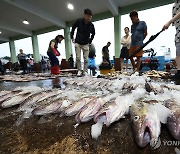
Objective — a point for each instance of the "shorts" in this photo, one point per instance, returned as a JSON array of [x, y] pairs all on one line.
[[177, 48], [124, 53], [133, 49]]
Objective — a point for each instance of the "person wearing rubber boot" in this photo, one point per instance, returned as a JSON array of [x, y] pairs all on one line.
[[85, 35], [53, 53], [139, 33], [175, 21]]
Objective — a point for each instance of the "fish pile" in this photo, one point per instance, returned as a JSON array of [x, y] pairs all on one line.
[[32, 77], [151, 74], [104, 101], [157, 74], [24, 78]]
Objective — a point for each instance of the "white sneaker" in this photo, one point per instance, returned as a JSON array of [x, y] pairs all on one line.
[[79, 73]]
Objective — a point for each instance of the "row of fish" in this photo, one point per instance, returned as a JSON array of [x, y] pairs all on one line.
[[26, 77], [118, 85], [148, 103], [163, 106], [157, 74]]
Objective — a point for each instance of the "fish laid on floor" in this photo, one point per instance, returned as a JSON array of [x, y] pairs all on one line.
[[7, 96], [89, 110], [145, 123], [15, 100], [118, 108], [56, 106], [33, 99], [173, 121], [78, 105]]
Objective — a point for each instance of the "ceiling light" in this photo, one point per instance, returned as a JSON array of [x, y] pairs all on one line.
[[25, 22], [70, 6], [0, 32]]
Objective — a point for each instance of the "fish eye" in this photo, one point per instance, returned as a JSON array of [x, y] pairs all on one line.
[[136, 118]]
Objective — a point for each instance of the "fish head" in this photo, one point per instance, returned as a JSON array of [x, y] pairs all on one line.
[[173, 124], [145, 125], [173, 121]]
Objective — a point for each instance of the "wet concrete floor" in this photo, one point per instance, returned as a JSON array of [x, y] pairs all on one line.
[[55, 134]]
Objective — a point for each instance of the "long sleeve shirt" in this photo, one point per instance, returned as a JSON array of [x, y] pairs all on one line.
[[126, 42], [85, 32]]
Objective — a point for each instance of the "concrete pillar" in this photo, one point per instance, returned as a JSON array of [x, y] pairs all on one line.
[[35, 46], [13, 52], [68, 44], [36, 55], [117, 35]]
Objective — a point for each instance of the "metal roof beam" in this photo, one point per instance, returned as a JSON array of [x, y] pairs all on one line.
[[13, 29], [112, 6], [37, 11]]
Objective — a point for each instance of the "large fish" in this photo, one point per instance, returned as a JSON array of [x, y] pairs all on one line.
[[34, 98], [103, 115], [38, 100], [57, 105], [19, 95], [45, 101], [115, 110], [7, 96], [173, 121], [89, 110], [145, 123], [78, 105], [15, 100], [108, 114]]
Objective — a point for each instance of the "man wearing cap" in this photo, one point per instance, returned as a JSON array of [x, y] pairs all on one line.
[[85, 35], [139, 33], [53, 52]]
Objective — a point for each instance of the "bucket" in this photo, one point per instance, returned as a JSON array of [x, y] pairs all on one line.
[[106, 71]]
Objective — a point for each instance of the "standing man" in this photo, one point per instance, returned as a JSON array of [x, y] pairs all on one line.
[[176, 22], [85, 35], [139, 33], [22, 60], [105, 53], [126, 42], [53, 52]]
